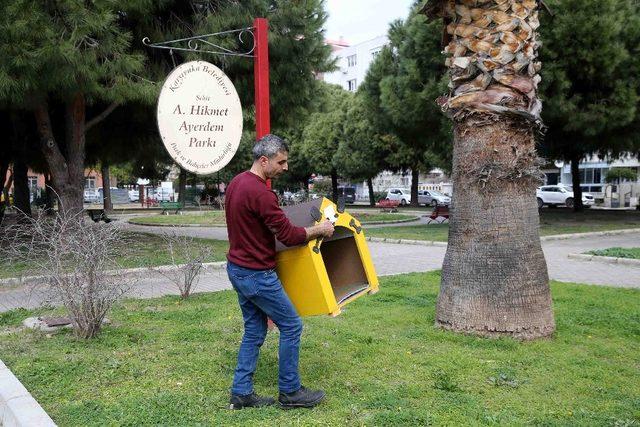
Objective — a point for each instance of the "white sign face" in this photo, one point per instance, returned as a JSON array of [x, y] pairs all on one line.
[[200, 117]]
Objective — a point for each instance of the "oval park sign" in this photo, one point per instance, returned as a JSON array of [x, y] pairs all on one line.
[[200, 117]]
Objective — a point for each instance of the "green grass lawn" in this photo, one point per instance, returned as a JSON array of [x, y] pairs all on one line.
[[214, 218], [552, 221], [433, 232], [382, 363], [143, 249], [365, 217], [564, 221], [209, 218], [632, 253]]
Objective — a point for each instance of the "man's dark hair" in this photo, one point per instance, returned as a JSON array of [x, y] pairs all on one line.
[[268, 146]]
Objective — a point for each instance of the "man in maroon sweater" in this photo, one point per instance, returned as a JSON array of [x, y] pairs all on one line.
[[254, 220]]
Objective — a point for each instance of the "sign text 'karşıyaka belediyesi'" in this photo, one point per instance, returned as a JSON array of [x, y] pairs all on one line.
[[200, 117]]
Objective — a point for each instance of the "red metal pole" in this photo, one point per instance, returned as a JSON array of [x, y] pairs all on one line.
[[261, 78], [261, 85]]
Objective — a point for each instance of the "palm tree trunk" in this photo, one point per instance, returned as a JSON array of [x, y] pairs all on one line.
[[494, 277]]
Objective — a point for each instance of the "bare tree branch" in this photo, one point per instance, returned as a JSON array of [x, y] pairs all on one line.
[[74, 262], [100, 117], [187, 259]]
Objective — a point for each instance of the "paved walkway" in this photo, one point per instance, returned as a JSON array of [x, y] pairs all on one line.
[[564, 269], [390, 258]]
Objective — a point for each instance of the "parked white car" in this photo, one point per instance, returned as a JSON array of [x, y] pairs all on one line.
[[91, 195], [402, 195], [554, 195], [134, 195], [432, 198], [163, 194]]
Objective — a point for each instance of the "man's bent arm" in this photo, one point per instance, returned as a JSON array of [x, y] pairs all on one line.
[[324, 229]]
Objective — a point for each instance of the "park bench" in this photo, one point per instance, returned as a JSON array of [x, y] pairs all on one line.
[[387, 205], [97, 215], [171, 206], [440, 214]]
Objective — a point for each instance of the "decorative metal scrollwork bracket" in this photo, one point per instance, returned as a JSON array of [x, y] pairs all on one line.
[[203, 44]]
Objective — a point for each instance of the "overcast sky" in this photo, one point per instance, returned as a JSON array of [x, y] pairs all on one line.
[[360, 20]]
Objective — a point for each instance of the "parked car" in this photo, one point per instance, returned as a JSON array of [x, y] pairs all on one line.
[[348, 192], [401, 195], [163, 194], [554, 195], [134, 195], [290, 198], [91, 195], [433, 198]]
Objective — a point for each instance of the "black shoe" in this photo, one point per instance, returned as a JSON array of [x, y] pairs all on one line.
[[249, 401], [303, 398]]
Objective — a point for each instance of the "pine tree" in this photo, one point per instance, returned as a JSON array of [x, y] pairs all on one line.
[[406, 97], [398, 91], [590, 81], [324, 133], [60, 59], [363, 152]]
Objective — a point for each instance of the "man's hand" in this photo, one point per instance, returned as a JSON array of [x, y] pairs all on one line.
[[324, 229], [327, 228]]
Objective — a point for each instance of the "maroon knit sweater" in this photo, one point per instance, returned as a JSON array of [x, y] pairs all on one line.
[[253, 218]]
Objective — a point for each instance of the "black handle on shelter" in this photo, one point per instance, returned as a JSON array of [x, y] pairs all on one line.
[[317, 216], [352, 223]]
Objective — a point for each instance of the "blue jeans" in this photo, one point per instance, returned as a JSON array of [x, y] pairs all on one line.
[[260, 295]]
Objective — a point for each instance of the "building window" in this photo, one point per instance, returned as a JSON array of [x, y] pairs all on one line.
[[589, 175], [351, 60], [375, 53], [597, 176], [351, 85], [90, 182], [32, 183]]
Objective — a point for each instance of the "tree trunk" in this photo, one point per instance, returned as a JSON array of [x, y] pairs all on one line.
[[7, 186], [4, 189], [575, 181], [372, 197], [182, 186], [415, 176], [21, 196], [494, 276], [106, 188], [334, 185], [67, 171], [50, 195]]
